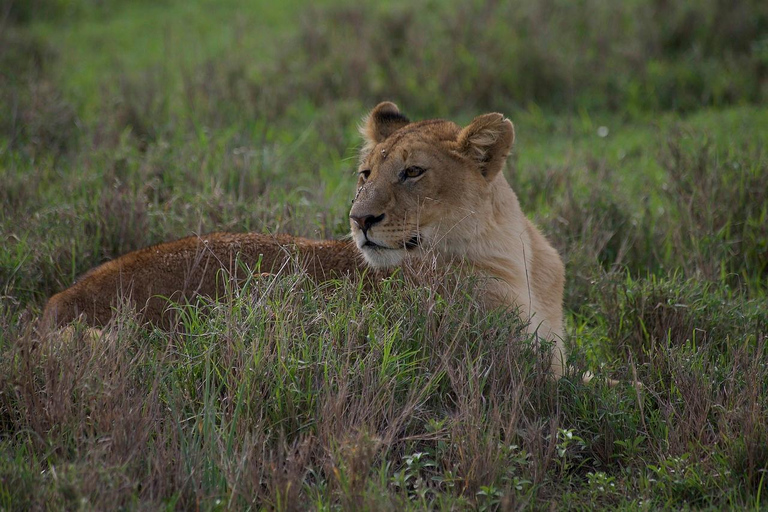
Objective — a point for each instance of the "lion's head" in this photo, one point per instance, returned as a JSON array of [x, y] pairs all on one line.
[[425, 184]]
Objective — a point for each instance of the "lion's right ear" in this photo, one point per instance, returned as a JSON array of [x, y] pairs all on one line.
[[384, 120]]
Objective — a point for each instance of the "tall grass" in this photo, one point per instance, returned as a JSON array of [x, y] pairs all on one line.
[[292, 393]]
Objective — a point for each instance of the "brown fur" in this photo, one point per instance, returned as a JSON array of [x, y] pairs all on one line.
[[427, 190], [194, 265]]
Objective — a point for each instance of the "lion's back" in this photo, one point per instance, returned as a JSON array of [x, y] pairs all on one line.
[[179, 270]]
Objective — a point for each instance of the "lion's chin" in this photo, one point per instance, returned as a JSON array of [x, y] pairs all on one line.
[[380, 257]]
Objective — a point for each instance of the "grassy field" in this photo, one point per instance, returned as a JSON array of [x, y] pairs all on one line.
[[641, 152]]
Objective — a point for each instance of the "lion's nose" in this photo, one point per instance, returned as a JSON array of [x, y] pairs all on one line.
[[365, 222]]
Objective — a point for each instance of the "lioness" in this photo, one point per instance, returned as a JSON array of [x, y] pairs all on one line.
[[428, 189]]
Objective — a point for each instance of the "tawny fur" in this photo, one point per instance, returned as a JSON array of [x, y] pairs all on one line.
[[196, 265], [434, 189], [459, 208]]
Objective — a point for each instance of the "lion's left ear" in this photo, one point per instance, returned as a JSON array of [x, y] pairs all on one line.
[[488, 140], [384, 120]]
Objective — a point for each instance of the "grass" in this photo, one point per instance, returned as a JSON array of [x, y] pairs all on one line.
[[638, 153]]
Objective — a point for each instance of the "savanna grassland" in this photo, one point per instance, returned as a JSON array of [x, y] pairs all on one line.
[[642, 152]]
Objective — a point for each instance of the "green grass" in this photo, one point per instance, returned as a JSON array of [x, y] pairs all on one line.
[[127, 124]]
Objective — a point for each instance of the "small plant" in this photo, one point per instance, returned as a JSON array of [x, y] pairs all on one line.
[[489, 497], [570, 449], [679, 481], [601, 483], [630, 447], [517, 461], [413, 477]]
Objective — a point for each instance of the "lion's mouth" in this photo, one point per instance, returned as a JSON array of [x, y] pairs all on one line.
[[413, 243], [410, 244]]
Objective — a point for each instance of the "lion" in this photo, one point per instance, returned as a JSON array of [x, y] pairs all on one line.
[[426, 190]]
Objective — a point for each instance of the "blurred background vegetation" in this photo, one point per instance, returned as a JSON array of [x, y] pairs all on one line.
[[445, 58]]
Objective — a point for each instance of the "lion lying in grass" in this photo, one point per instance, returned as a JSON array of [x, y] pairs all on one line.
[[428, 189]]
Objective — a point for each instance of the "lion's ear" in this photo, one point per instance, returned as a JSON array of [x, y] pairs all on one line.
[[384, 120], [488, 140]]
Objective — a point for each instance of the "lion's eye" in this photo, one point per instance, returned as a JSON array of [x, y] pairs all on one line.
[[412, 172], [364, 174]]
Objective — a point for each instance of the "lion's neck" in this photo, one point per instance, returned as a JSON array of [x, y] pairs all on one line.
[[502, 248]]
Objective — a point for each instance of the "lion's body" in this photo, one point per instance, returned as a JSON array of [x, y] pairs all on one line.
[[196, 265], [427, 191]]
